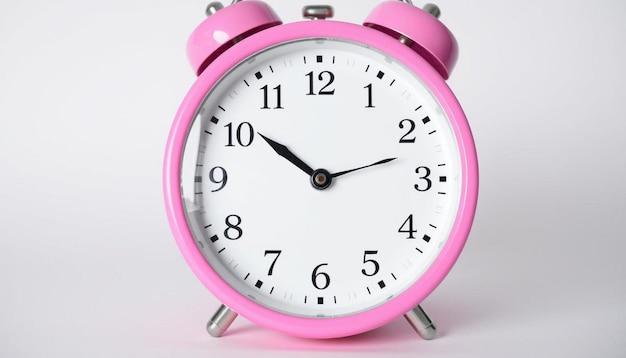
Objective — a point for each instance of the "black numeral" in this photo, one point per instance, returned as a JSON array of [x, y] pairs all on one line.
[[244, 134], [316, 277], [272, 252], [425, 178], [369, 96], [373, 263], [233, 231], [266, 97], [407, 227], [221, 180], [324, 75], [405, 138]]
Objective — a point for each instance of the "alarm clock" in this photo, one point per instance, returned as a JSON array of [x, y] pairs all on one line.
[[320, 177]]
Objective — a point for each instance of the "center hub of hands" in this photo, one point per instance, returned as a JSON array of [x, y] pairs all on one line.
[[321, 179]]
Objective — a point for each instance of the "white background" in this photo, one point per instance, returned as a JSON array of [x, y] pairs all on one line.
[[88, 266]]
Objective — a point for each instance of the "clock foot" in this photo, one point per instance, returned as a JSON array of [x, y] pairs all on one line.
[[221, 320], [421, 323]]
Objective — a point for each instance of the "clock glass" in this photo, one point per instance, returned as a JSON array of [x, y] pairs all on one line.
[[320, 178]]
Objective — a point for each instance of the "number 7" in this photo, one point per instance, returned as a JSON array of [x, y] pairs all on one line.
[[272, 252]]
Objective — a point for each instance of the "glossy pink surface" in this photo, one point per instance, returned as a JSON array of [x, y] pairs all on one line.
[[430, 38], [218, 32], [310, 327]]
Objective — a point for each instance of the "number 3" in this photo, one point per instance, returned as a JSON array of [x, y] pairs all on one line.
[[425, 177]]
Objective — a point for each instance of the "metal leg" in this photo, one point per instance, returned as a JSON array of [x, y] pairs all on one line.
[[421, 323], [221, 320]]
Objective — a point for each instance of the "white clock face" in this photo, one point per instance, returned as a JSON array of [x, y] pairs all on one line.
[[328, 106]]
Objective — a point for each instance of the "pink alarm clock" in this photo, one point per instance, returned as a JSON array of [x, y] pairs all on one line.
[[320, 177]]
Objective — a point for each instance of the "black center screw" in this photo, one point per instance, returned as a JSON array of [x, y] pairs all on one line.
[[321, 179]]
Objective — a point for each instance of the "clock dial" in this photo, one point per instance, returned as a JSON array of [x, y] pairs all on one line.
[[320, 178]]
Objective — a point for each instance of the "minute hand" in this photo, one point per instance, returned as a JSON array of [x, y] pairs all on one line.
[[363, 167]]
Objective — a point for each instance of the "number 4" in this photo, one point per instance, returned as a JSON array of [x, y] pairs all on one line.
[[407, 227]]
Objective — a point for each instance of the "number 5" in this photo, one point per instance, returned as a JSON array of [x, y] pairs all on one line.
[[374, 262]]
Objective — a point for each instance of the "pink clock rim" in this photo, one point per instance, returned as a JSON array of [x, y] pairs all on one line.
[[312, 327]]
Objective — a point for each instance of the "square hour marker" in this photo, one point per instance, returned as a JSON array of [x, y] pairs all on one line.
[[443, 179], [320, 300], [319, 59], [426, 238], [258, 284], [258, 75], [381, 284], [425, 120], [214, 238], [380, 75], [214, 120]]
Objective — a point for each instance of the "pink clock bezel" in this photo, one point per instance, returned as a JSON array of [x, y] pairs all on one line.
[[320, 327]]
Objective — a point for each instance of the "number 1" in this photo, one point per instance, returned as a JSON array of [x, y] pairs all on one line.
[[369, 96]]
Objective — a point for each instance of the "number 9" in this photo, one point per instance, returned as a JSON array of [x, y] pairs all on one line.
[[223, 178]]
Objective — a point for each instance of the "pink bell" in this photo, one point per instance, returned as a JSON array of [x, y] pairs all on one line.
[[226, 26], [420, 30]]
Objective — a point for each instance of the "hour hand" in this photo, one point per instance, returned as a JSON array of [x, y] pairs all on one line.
[[284, 152]]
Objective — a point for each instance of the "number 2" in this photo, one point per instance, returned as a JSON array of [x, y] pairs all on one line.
[[404, 138]]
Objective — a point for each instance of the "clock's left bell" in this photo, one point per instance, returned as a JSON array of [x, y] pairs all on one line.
[[226, 26]]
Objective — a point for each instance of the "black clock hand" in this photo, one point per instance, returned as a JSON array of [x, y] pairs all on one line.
[[287, 154], [367, 166]]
